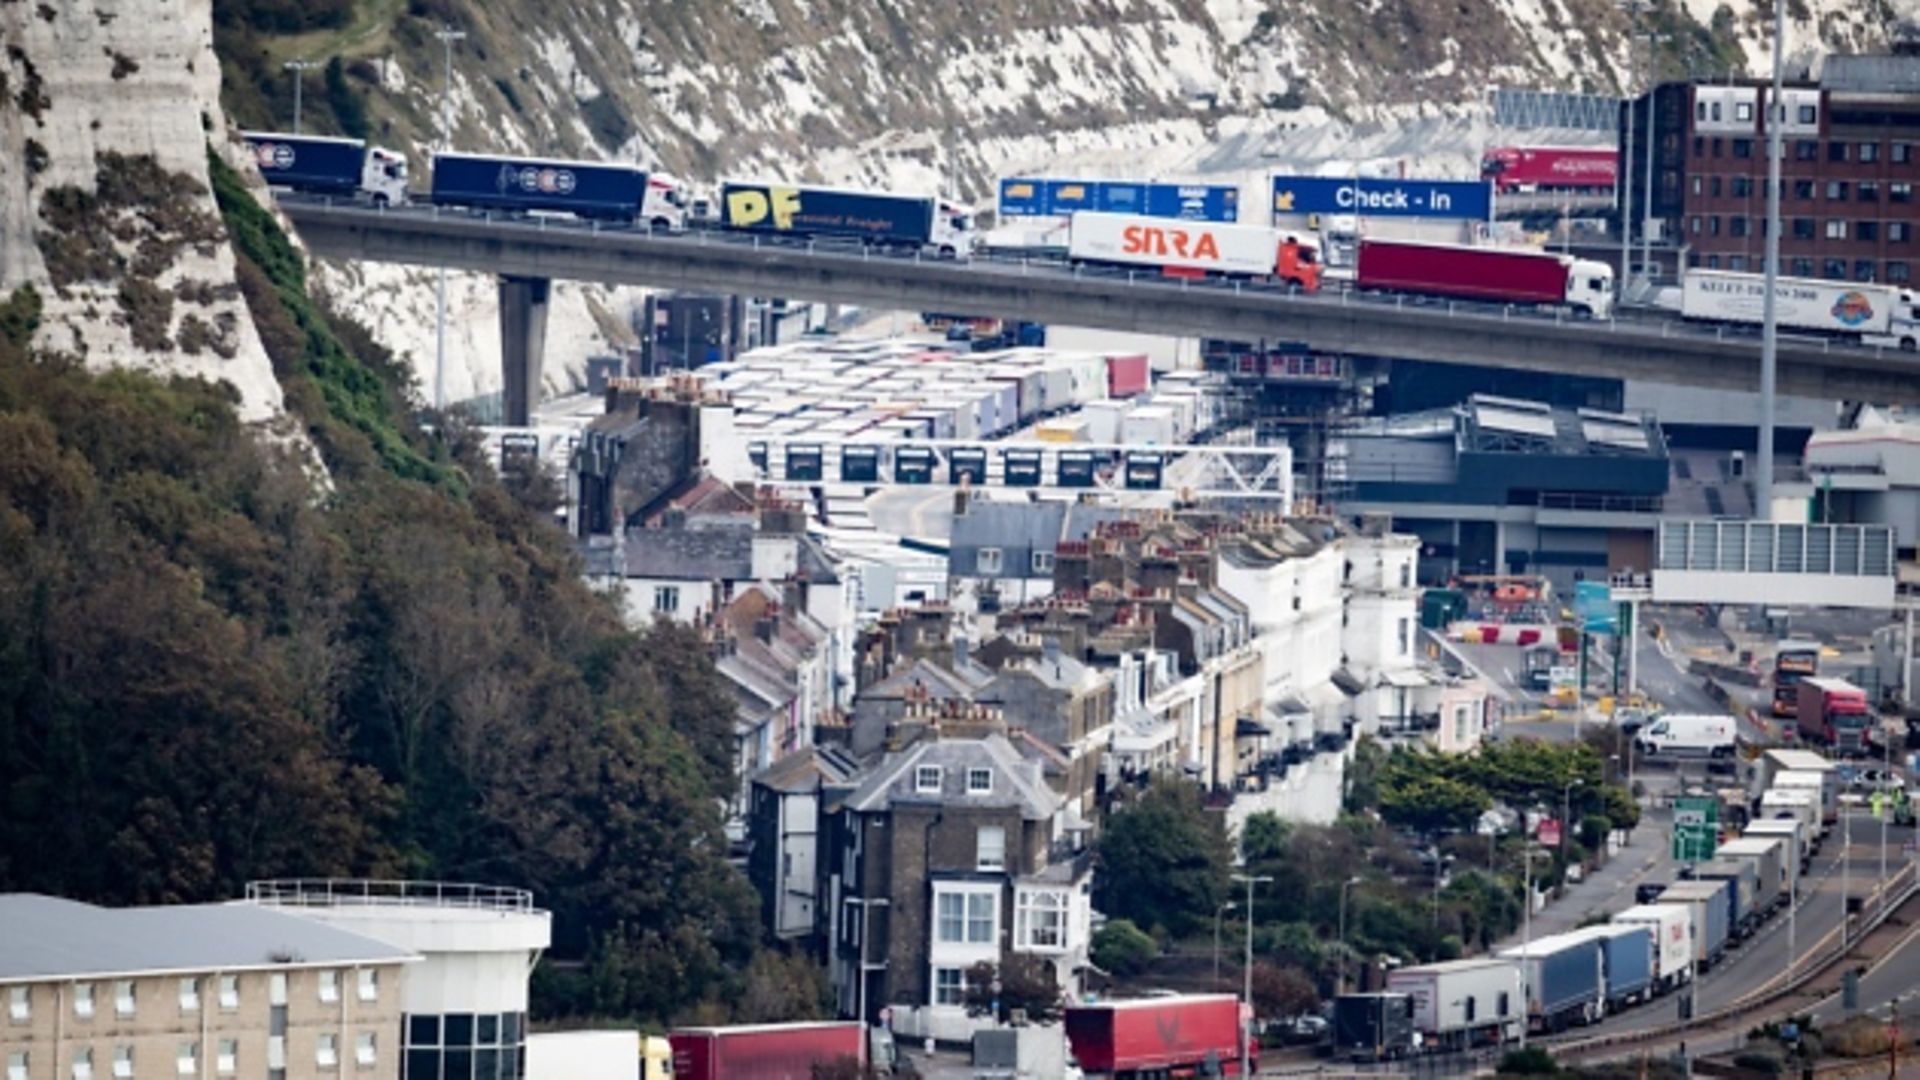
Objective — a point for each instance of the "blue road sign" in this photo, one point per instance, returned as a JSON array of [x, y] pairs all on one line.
[[1367, 196]]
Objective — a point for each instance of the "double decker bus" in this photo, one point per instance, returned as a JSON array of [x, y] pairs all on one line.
[[1792, 662]]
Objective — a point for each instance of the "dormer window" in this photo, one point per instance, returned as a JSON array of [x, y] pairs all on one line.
[[926, 779], [979, 781]]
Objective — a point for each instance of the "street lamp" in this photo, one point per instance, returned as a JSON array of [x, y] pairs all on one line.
[[1246, 983], [1340, 980], [1646, 220], [1218, 912], [860, 979], [447, 35], [1769, 334], [299, 68], [1566, 824]]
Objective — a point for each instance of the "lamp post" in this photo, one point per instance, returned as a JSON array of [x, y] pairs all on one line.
[[1770, 331], [1218, 912], [1646, 213], [1566, 824], [1340, 981], [860, 978], [447, 35], [1246, 978], [299, 69], [1526, 925]]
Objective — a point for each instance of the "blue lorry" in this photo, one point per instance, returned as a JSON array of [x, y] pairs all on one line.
[[319, 165], [874, 218], [1044, 196], [597, 190], [1565, 980], [1626, 961], [1710, 902]]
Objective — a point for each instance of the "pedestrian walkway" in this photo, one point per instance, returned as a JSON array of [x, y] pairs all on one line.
[[1608, 889]]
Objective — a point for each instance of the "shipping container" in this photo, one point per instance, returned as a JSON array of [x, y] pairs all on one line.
[[1030, 399], [1104, 420], [1565, 981], [1488, 274], [1179, 1033], [1127, 374], [1671, 928], [1148, 426], [764, 1051], [1460, 1004], [1194, 249], [1372, 1027], [1743, 880], [1710, 905]]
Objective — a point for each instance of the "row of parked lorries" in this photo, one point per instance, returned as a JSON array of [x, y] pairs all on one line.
[[1650, 949]]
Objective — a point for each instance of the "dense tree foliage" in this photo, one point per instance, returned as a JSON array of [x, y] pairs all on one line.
[[213, 670], [1164, 860], [1024, 985]]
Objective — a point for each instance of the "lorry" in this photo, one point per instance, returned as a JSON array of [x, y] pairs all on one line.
[[1023, 197], [765, 1051], [1743, 887], [1461, 1004], [1795, 849], [1834, 712], [1688, 736], [1774, 762], [590, 1055], [1671, 927], [593, 190], [1626, 961], [1800, 805], [1195, 249], [1373, 1027], [1512, 169], [1023, 1052], [878, 219], [326, 166], [1494, 275], [1178, 1033], [1565, 981], [1870, 314], [1768, 854], [1823, 785], [1710, 905]]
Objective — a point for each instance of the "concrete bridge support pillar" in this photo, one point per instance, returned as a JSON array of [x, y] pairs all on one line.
[[523, 345]]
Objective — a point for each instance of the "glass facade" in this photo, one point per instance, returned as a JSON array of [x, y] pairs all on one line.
[[464, 1046]]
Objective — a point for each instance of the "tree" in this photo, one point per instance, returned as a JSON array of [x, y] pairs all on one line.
[[781, 987], [1280, 992], [1123, 949], [1432, 804], [1264, 836], [1025, 984], [1164, 860]]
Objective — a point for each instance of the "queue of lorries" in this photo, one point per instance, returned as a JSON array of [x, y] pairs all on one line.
[[1642, 952], [1176, 231]]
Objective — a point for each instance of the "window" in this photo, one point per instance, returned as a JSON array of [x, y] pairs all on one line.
[[950, 924], [423, 1031], [1736, 226], [276, 1052], [20, 1004], [981, 912], [1404, 637], [1836, 151], [326, 1052], [1717, 142], [1713, 262], [666, 599], [1713, 225], [229, 991], [1803, 189], [1743, 111], [1869, 153], [1802, 266], [949, 986], [187, 1063], [1836, 191], [1503, 1003], [1834, 269], [1699, 146], [1696, 185], [1869, 192], [1406, 576], [991, 848], [277, 988], [1693, 226], [1736, 262], [1899, 232], [369, 989], [1897, 271], [1040, 919], [189, 994], [363, 1052], [1809, 114], [329, 986], [1863, 270], [1742, 187], [1867, 230], [83, 1000], [1805, 150], [123, 1062], [1836, 228], [228, 1061], [1042, 562], [1714, 188], [926, 779], [16, 1065], [988, 561], [1743, 148], [1716, 112], [1699, 110], [1471, 1008], [1802, 228], [123, 997], [83, 1063], [979, 781], [1900, 193], [1900, 153]]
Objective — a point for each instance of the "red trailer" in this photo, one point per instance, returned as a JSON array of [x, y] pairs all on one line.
[[1496, 275], [1551, 168], [763, 1051], [1176, 1035], [1127, 374]]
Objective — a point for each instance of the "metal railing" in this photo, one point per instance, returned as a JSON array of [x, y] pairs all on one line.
[[371, 892]]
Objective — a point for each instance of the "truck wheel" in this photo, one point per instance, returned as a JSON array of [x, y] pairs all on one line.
[[381, 202], [660, 224], [947, 251], [1908, 344]]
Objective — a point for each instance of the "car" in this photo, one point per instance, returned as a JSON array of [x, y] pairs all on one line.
[[1873, 780], [1299, 1031], [1647, 892]]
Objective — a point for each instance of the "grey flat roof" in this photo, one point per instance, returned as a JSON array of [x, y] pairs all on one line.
[[50, 938]]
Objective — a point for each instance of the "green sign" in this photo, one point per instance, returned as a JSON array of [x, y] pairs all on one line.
[[1696, 829]]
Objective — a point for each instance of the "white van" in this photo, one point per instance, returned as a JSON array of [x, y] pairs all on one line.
[[1688, 736]]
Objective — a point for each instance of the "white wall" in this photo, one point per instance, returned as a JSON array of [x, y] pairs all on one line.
[[473, 960]]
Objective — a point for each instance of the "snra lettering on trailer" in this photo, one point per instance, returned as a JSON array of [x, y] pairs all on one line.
[[1181, 243]]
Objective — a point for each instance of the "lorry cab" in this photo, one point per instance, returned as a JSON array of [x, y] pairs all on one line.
[[1297, 264], [953, 231], [383, 176], [1590, 288], [664, 207], [656, 1058]]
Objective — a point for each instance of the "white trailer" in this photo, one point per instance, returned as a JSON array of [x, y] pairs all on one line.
[[1672, 928], [1819, 784], [1795, 804], [1841, 308], [1463, 1003], [1769, 855], [1791, 834], [1198, 247]]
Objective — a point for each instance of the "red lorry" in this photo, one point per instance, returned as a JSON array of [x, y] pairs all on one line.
[[1551, 168], [763, 1051], [1178, 1035], [1834, 712], [1496, 275]]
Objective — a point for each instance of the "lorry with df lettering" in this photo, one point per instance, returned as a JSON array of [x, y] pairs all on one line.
[[1493, 275], [1883, 315], [877, 219], [594, 190], [319, 165], [1195, 249]]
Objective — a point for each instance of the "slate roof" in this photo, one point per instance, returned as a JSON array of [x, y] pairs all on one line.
[[1017, 783], [808, 769], [721, 553]]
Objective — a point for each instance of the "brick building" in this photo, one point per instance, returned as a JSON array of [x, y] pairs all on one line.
[[1849, 170]]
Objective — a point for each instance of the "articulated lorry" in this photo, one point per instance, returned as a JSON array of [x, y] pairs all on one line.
[[1834, 712], [1160, 1036], [771, 1051], [1870, 314], [319, 165], [877, 219], [595, 190], [1493, 275], [1195, 249], [1671, 927], [1373, 1027], [1461, 1004], [1566, 983]]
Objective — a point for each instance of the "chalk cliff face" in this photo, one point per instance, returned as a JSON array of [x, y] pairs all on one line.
[[106, 113]]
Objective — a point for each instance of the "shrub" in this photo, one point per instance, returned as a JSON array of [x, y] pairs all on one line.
[[1532, 1061], [1123, 948]]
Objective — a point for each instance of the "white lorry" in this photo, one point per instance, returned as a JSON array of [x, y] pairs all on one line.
[[1672, 927], [1463, 1003], [1871, 314]]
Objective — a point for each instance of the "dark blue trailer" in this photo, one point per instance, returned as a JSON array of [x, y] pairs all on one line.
[[319, 165], [608, 192], [1711, 904], [875, 217], [1565, 981], [1626, 961]]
